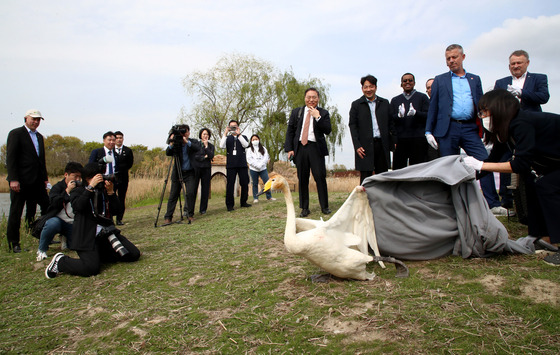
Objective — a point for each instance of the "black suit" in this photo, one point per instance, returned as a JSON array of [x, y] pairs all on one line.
[[311, 156], [361, 129], [125, 160], [30, 170], [99, 153]]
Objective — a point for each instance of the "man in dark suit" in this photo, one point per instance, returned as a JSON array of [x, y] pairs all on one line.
[[453, 122], [94, 236], [306, 144], [27, 174], [108, 149], [531, 90], [125, 159], [372, 130]]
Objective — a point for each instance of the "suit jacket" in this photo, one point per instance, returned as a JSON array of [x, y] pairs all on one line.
[[534, 93], [99, 153], [441, 103], [125, 161], [84, 228], [295, 125], [361, 130], [22, 161]]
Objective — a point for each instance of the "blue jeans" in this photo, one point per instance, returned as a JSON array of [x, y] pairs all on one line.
[[255, 179], [52, 227]]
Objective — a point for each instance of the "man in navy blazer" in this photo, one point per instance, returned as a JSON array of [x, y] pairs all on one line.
[[453, 122], [309, 150], [27, 173], [107, 149], [530, 88]]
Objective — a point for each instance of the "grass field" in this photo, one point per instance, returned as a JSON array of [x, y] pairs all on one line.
[[226, 284]]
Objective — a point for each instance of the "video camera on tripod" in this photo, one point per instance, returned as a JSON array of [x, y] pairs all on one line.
[[177, 131]]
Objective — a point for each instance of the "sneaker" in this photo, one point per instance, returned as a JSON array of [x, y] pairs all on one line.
[[255, 201], [272, 199], [63, 242], [41, 255], [553, 259], [52, 270], [499, 211]]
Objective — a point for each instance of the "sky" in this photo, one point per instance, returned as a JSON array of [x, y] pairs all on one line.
[[94, 66]]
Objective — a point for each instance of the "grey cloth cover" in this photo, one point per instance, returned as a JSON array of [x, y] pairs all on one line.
[[434, 209]]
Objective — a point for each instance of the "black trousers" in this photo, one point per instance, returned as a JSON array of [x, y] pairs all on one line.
[[90, 261], [243, 174], [309, 158], [410, 151], [379, 161], [176, 187], [543, 205], [203, 177], [122, 188], [32, 195]]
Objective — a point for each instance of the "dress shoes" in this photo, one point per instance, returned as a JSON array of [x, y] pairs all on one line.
[[304, 212], [246, 205], [326, 211], [167, 222], [120, 223], [230, 209], [16, 248]]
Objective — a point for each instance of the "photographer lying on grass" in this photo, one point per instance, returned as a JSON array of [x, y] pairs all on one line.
[[94, 236]]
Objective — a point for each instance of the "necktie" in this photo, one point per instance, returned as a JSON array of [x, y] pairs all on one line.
[[305, 132], [110, 164]]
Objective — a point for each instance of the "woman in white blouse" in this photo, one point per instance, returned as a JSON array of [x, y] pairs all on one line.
[[257, 158]]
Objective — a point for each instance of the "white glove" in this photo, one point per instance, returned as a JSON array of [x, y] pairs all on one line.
[[515, 91], [401, 111], [473, 163], [411, 111], [431, 141]]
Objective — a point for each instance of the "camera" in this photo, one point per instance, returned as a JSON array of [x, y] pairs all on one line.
[[77, 182], [109, 177], [109, 233]]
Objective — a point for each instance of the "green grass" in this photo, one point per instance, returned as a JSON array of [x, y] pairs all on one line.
[[225, 284]]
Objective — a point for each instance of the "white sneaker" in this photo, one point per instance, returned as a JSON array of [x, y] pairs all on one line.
[[255, 201], [272, 199], [41, 255], [63, 242], [499, 211]]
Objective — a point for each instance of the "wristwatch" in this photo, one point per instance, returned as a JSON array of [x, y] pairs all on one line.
[[89, 188]]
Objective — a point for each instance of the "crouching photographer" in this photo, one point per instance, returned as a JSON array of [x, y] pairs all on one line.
[[94, 236]]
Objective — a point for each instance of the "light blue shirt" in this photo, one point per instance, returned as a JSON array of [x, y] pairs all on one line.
[[372, 105], [33, 135], [463, 107]]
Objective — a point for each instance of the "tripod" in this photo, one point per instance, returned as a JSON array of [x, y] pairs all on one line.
[[176, 162]]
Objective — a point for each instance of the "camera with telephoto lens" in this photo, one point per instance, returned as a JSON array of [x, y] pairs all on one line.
[[109, 177], [109, 233], [77, 182]]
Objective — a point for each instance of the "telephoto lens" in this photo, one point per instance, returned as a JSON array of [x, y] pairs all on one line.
[[117, 245]]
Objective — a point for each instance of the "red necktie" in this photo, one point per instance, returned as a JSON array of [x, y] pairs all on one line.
[[305, 133]]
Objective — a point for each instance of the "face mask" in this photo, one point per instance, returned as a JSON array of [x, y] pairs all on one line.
[[486, 122], [255, 143]]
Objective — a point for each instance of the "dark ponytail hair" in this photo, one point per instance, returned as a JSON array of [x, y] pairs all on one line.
[[503, 107]]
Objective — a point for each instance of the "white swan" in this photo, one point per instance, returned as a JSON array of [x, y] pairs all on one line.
[[339, 245]]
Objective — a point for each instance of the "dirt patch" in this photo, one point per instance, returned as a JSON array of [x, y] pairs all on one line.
[[542, 291], [356, 331], [492, 283]]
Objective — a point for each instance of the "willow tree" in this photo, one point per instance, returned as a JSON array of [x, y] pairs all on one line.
[[258, 96]]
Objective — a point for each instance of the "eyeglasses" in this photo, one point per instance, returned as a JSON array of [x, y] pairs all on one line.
[[408, 80]]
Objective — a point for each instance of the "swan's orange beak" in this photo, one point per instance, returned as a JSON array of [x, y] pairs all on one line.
[[266, 187]]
